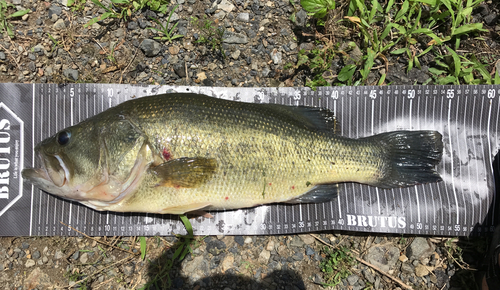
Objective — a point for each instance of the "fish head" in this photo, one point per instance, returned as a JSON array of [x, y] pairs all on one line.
[[94, 162]]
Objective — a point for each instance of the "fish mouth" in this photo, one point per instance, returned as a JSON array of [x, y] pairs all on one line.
[[52, 170], [34, 174]]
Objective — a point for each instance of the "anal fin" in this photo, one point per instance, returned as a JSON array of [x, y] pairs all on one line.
[[182, 209], [199, 213], [319, 193]]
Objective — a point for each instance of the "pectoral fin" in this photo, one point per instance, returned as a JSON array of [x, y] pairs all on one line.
[[186, 172]]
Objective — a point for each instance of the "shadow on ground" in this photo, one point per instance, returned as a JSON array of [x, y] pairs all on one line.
[[160, 277], [474, 249]]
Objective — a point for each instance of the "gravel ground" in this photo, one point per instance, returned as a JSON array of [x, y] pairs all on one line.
[[51, 45], [233, 262]]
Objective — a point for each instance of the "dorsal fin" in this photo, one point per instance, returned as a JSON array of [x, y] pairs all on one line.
[[320, 119]]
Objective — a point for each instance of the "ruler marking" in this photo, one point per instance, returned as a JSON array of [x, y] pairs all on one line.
[[444, 167], [415, 188], [79, 118], [377, 190], [41, 134], [55, 200], [71, 124], [93, 109], [457, 105], [496, 131], [33, 87], [340, 196], [364, 134], [452, 165], [402, 114], [490, 156], [419, 127], [387, 130], [425, 122], [101, 100], [372, 133], [438, 187], [475, 155], [278, 211], [468, 168], [460, 158], [350, 136], [482, 147], [324, 214]]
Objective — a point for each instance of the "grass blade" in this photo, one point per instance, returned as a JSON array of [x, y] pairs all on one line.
[[19, 13], [370, 60], [456, 61], [467, 28], [431, 3], [187, 224], [346, 73], [143, 247], [399, 51], [381, 80], [497, 78], [482, 70], [96, 2], [447, 80], [403, 11], [436, 71], [389, 6]]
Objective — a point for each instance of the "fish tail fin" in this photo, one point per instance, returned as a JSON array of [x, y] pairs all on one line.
[[411, 157]]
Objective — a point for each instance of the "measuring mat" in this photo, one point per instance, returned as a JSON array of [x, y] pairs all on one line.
[[463, 204]]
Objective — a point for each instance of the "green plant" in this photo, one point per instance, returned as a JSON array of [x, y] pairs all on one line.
[[209, 34], [76, 5], [74, 276], [122, 9], [186, 245], [458, 69], [248, 266], [103, 252], [110, 13], [336, 265], [460, 17], [319, 61], [346, 74], [318, 8], [373, 38], [143, 247], [54, 41], [407, 23], [164, 29], [111, 55], [157, 5], [4, 24], [400, 28], [293, 17]]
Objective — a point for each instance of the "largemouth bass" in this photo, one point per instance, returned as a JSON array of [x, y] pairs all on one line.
[[177, 153]]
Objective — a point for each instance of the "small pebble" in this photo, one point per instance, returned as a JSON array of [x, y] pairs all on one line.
[[30, 263]]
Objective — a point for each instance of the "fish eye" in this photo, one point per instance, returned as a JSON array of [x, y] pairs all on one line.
[[63, 138]]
